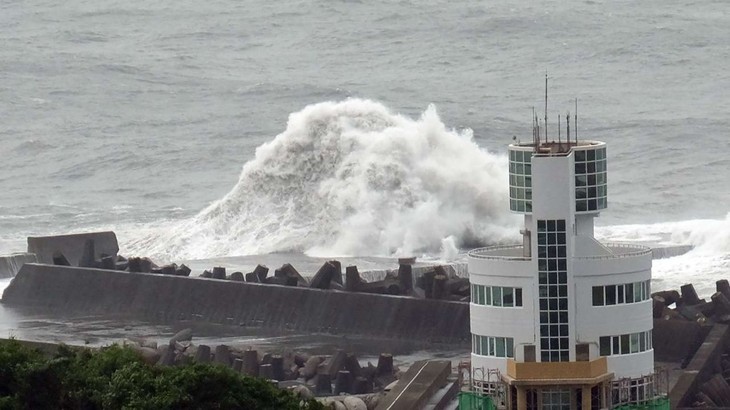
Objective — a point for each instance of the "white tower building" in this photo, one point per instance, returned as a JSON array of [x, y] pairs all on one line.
[[566, 321]]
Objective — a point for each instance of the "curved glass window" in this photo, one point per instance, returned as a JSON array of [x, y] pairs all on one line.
[[520, 181], [621, 294], [590, 180], [492, 346], [496, 296], [625, 344]]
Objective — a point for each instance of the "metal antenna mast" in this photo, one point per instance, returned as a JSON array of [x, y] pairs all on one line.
[[535, 137], [576, 121], [546, 107]]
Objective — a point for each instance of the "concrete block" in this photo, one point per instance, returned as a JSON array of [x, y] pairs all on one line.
[[72, 246], [236, 277], [202, 355], [223, 355], [219, 272], [261, 271], [11, 264], [343, 383], [251, 363], [689, 295], [324, 276]]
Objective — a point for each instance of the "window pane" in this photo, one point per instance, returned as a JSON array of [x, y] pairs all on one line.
[[637, 291], [605, 343], [630, 293], [611, 295], [615, 345], [642, 341], [485, 347], [500, 347], [488, 296], [497, 296], [491, 346], [620, 291], [510, 347], [508, 297], [625, 344], [634, 342], [598, 296], [518, 297]]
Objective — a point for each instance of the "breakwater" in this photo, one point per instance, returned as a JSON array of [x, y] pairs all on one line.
[[171, 298]]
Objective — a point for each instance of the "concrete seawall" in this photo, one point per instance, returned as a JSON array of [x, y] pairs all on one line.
[[164, 298]]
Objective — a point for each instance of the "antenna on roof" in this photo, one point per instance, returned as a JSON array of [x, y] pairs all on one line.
[[559, 143], [575, 118], [546, 107], [567, 123], [537, 130], [533, 126]]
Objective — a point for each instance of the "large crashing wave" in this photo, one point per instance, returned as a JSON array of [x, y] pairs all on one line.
[[352, 178]]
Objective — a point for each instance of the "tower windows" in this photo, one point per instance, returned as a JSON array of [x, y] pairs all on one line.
[[553, 290], [621, 294], [590, 180], [520, 181], [492, 346], [625, 344], [496, 296]]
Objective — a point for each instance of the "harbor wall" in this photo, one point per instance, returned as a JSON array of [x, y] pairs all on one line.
[[168, 298]]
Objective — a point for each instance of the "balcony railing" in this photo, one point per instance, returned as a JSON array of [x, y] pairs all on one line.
[[500, 252], [514, 252], [620, 250]]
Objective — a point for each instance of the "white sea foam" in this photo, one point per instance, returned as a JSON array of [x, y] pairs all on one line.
[[352, 178], [706, 263]]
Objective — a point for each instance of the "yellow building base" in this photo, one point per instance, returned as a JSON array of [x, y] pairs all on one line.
[[558, 385]]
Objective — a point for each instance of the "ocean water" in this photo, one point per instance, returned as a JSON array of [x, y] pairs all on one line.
[[329, 128]]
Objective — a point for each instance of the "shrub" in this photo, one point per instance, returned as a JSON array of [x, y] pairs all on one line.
[[117, 378]]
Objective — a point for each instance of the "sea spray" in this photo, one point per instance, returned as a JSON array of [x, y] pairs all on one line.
[[706, 263], [352, 178]]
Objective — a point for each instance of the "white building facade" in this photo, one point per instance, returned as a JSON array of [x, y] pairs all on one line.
[[564, 319]]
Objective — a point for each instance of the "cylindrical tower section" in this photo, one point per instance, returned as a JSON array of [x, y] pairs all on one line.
[[502, 303], [591, 193], [520, 178], [613, 301]]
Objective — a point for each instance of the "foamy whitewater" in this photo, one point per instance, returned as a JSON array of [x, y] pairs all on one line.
[[138, 117], [349, 179]]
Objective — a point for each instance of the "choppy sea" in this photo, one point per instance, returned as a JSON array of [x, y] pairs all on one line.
[[362, 128]]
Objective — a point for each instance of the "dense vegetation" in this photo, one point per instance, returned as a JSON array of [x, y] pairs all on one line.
[[117, 378]]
